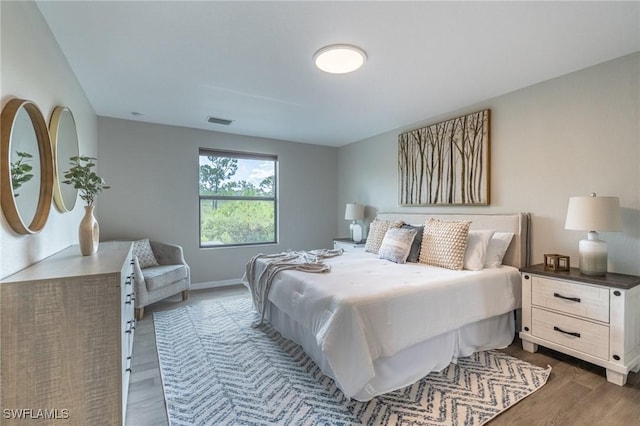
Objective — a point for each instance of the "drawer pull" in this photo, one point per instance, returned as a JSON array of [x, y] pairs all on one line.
[[570, 333], [573, 299]]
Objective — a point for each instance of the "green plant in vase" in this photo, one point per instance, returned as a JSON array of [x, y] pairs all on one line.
[[83, 178], [21, 171], [89, 184]]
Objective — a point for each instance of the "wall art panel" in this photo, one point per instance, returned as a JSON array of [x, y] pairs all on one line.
[[446, 163]]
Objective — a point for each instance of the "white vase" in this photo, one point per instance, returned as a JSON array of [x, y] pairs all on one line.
[[88, 233]]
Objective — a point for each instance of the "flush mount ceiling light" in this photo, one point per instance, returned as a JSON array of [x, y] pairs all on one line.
[[339, 58]]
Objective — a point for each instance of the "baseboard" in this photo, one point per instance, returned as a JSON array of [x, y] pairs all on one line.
[[215, 284]]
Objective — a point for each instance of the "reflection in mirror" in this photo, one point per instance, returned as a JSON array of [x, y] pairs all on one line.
[[64, 139], [26, 167], [25, 173]]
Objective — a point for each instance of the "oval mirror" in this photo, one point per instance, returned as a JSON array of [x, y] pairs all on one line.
[[64, 141], [26, 176]]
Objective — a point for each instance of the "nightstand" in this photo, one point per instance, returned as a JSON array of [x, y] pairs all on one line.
[[347, 244], [596, 319]]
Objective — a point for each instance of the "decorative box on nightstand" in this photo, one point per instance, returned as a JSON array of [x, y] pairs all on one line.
[[596, 319], [347, 244]]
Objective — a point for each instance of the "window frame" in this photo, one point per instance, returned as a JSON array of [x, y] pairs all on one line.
[[275, 198]]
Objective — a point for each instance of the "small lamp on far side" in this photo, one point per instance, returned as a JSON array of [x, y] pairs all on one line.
[[593, 214], [355, 212]]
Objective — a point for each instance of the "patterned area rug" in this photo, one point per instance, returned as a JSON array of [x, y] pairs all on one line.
[[219, 370]]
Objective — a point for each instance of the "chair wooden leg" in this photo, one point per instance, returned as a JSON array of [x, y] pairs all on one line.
[[139, 313], [185, 294]]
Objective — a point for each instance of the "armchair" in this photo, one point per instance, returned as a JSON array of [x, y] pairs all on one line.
[[169, 275]]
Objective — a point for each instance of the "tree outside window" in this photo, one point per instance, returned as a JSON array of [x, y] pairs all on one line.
[[238, 198]]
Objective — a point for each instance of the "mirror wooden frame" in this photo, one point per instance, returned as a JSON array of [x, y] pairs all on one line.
[[7, 199], [54, 133]]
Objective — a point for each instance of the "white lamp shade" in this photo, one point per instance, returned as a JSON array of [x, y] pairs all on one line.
[[354, 212], [593, 214]]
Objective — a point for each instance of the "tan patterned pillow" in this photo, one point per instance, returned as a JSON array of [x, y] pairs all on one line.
[[142, 249], [377, 230], [444, 243]]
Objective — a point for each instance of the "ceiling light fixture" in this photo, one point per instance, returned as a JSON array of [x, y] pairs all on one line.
[[339, 58]]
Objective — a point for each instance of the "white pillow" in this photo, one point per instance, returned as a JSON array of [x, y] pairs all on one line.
[[477, 243], [396, 244], [498, 245]]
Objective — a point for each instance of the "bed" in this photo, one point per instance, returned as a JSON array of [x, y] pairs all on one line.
[[375, 326]]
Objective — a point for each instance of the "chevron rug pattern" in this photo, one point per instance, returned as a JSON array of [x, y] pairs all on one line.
[[219, 370]]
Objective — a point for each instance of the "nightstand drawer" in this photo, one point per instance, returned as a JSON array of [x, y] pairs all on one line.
[[348, 245], [583, 336], [576, 299]]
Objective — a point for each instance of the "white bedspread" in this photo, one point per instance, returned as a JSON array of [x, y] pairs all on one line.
[[367, 308]]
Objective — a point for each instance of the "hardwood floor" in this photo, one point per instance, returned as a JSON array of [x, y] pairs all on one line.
[[576, 394]]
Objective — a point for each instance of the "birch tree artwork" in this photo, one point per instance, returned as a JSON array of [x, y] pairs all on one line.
[[445, 163]]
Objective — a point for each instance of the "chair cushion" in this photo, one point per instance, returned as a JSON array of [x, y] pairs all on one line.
[[161, 276]]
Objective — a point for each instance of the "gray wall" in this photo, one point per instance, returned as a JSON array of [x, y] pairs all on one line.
[[572, 135], [34, 68], [153, 173], [568, 136]]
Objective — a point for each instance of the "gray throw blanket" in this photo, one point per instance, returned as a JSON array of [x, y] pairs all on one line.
[[260, 283]]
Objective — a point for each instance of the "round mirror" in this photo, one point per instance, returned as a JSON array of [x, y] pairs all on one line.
[[64, 140], [26, 176]]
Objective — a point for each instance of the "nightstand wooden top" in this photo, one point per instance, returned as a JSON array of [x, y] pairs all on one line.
[[611, 279]]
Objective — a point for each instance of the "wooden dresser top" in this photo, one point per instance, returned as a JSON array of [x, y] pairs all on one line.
[[611, 279], [69, 262]]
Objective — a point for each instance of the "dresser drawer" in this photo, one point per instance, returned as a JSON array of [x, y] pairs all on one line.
[[587, 337], [577, 299]]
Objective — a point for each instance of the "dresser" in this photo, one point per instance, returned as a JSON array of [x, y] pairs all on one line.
[[596, 319], [347, 244], [67, 325]]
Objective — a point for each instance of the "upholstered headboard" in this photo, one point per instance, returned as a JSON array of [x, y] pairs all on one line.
[[519, 250]]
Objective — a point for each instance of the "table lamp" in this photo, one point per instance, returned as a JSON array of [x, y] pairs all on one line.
[[355, 212], [593, 214]]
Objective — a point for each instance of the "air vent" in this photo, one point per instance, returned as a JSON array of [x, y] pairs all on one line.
[[216, 120]]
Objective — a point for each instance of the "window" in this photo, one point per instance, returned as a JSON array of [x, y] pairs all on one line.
[[238, 198]]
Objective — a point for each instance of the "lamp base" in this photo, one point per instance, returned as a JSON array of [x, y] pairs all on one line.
[[356, 232], [593, 255]]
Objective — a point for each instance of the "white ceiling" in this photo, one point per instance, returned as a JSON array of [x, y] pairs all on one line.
[[180, 62]]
